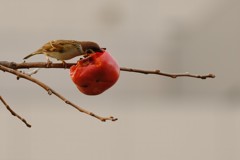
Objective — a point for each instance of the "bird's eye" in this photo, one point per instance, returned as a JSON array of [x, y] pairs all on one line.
[[89, 51]]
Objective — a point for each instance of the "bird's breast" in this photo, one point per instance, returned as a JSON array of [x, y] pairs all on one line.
[[62, 56]]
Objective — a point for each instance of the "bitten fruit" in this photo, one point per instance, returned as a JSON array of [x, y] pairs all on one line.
[[95, 74]]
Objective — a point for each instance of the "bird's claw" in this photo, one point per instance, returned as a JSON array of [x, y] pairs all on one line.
[[64, 64], [49, 63]]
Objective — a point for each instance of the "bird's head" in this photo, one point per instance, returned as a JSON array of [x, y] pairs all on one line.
[[91, 47]]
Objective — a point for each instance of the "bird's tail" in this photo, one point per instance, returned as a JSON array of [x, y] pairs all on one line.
[[32, 54]]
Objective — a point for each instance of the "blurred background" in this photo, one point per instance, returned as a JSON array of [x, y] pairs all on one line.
[[159, 117]]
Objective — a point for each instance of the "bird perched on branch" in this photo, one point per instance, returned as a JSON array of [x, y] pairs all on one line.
[[66, 49]]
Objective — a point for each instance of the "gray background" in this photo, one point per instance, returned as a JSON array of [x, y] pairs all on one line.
[[159, 118]]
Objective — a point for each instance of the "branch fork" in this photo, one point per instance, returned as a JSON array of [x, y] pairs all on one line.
[[12, 68]]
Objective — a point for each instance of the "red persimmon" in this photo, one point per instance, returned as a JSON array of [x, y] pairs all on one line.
[[95, 73]]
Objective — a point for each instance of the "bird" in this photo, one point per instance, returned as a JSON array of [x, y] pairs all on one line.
[[66, 49]]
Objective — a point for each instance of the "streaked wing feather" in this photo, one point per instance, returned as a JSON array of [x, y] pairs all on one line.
[[59, 45]]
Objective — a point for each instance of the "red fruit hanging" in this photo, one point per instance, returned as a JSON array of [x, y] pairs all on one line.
[[95, 74]]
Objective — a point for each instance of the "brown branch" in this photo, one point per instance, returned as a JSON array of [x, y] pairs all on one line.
[[172, 75], [28, 65], [11, 67], [51, 91], [14, 113]]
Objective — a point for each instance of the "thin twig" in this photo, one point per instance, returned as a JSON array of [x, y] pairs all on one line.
[[35, 71], [27, 65], [51, 91], [172, 75], [14, 113]]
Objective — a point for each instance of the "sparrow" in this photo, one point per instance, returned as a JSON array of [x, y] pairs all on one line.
[[66, 49]]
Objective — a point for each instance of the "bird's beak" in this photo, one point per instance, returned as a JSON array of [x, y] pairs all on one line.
[[103, 49]]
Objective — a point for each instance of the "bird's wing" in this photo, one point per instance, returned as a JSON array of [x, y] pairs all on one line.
[[60, 45]]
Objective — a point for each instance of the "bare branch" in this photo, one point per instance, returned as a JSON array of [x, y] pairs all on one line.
[[172, 75], [28, 65], [51, 91], [14, 113]]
